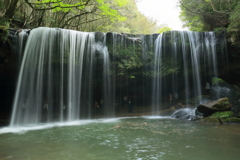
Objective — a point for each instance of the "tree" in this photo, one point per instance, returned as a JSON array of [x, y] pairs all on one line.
[[164, 28], [61, 13], [84, 15], [212, 15]]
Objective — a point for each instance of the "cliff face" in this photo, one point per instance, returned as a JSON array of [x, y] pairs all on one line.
[[231, 72], [8, 74], [9, 65]]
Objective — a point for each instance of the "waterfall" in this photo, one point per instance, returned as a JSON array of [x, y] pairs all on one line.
[[67, 75], [183, 62], [55, 79]]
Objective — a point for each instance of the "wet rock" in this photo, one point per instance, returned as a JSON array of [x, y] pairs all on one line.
[[210, 120], [196, 118], [99, 37], [230, 120], [224, 114], [209, 108], [197, 113]]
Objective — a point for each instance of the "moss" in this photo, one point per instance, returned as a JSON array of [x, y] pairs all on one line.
[[222, 114], [236, 92], [211, 120], [236, 87], [3, 27], [217, 81], [224, 102], [230, 120]]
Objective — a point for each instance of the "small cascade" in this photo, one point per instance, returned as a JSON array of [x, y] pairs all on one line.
[[185, 113], [22, 39]]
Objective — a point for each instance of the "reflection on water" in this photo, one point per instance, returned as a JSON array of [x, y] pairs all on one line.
[[127, 138]]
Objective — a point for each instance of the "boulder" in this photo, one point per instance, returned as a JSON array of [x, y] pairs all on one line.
[[210, 120], [230, 120], [198, 113], [209, 108], [224, 114]]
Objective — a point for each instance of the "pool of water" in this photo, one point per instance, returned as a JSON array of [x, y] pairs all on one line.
[[134, 138]]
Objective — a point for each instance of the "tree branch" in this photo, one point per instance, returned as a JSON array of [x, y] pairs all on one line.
[[57, 6], [215, 10], [94, 9]]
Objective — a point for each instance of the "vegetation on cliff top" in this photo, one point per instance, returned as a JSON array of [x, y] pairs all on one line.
[[83, 15], [212, 15]]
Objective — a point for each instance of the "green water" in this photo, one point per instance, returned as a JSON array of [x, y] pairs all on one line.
[[119, 139]]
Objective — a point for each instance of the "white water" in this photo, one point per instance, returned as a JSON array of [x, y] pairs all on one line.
[[191, 51], [49, 53], [64, 72]]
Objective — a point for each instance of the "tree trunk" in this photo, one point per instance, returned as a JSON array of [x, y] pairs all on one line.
[[10, 8]]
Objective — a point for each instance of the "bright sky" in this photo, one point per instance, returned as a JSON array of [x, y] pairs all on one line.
[[164, 11]]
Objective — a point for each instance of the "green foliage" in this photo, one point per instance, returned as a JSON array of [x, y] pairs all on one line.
[[4, 26], [83, 15], [230, 120], [164, 29], [217, 81], [225, 103], [212, 15], [236, 87], [222, 114], [129, 57], [210, 120], [108, 11]]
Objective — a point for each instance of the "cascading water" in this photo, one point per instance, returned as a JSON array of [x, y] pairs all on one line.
[[22, 39], [67, 75], [56, 77], [183, 62]]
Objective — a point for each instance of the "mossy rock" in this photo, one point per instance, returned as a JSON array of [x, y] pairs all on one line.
[[224, 103], [236, 92], [211, 120], [236, 87], [218, 81], [214, 106], [230, 120], [224, 114]]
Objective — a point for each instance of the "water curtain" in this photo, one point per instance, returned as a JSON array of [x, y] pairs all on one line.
[[67, 75]]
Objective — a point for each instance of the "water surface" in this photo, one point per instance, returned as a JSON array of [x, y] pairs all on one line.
[[135, 138]]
